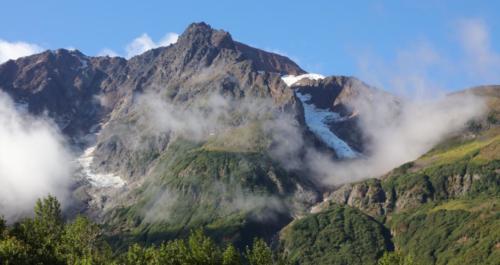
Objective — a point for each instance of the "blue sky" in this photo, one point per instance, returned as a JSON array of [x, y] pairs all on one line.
[[399, 45]]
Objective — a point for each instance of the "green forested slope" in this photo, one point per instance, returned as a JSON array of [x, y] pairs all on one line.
[[339, 235]]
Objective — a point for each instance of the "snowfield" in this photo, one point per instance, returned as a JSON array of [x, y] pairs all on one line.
[[291, 79], [98, 180], [317, 120]]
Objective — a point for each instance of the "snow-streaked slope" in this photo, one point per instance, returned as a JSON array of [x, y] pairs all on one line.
[[291, 79], [317, 119], [99, 180]]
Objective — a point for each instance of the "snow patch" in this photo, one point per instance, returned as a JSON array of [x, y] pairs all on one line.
[[292, 79], [109, 180], [317, 120]]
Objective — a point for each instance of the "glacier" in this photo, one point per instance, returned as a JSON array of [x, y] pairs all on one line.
[[107, 180], [317, 119]]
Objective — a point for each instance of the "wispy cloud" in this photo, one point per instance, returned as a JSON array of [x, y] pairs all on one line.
[[144, 43], [416, 71], [140, 45], [398, 132], [14, 50], [423, 70], [481, 61]]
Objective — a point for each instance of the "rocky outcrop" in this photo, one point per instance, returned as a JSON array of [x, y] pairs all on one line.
[[459, 185], [65, 85], [380, 197], [269, 62], [368, 196]]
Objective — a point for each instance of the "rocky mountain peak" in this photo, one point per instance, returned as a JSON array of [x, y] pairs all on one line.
[[197, 34], [196, 28], [201, 36]]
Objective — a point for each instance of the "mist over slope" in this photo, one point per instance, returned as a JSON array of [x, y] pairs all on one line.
[[34, 160], [385, 130]]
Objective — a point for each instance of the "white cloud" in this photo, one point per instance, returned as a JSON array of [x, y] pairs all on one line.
[[169, 38], [398, 133], [144, 43], [14, 50], [481, 60], [33, 160]]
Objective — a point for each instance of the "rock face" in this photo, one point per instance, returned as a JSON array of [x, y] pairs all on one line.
[[370, 197], [379, 198], [269, 62], [64, 85]]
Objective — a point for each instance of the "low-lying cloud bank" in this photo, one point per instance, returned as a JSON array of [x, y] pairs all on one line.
[[225, 122], [398, 130], [34, 161]]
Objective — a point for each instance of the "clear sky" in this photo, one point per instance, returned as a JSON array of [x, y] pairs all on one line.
[[400, 45]]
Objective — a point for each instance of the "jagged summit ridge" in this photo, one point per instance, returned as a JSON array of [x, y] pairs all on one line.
[[202, 32], [67, 82]]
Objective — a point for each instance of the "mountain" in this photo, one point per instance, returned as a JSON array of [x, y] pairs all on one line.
[[209, 132], [94, 102]]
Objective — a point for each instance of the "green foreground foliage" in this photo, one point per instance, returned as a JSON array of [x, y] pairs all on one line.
[[395, 258], [47, 239]]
